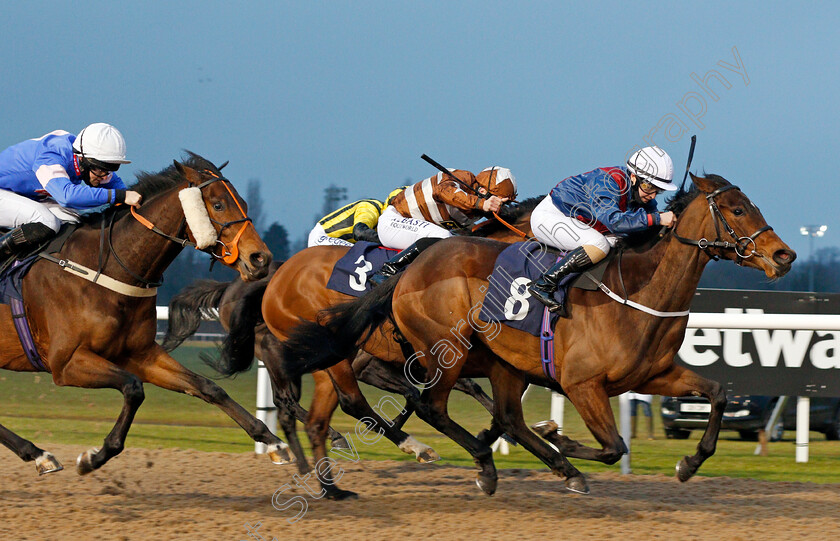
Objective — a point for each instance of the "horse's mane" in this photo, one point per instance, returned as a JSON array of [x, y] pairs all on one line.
[[514, 215], [151, 184], [677, 203]]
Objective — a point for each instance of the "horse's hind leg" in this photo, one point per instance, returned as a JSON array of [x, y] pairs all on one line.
[[354, 403], [324, 402], [159, 369], [44, 462], [679, 381], [86, 369]]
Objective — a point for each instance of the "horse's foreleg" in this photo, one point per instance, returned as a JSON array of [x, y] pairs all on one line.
[[354, 404], [88, 370], [44, 462], [593, 404], [163, 371], [679, 381], [508, 388]]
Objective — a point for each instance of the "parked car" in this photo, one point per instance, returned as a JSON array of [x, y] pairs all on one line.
[[747, 414]]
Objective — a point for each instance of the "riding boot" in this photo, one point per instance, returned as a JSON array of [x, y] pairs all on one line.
[[23, 237], [543, 289], [401, 260]]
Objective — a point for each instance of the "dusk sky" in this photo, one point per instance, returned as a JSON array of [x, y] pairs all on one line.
[[306, 94]]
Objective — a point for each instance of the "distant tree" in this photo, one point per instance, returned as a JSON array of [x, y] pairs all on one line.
[[255, 203], [277, 239]]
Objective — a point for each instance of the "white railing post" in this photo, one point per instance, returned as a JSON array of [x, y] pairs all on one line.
[[803, 426], [624, 424], [266, 411]]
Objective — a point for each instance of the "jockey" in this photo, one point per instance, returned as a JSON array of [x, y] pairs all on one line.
[[425, 213], [42, 180], [353, 222], [585, 214]]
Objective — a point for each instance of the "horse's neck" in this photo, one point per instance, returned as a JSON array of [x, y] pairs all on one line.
[[143, 251], [666, 276]]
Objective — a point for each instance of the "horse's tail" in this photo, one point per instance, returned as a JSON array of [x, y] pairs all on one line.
[[339, 331], [188, 307], [237, 351]]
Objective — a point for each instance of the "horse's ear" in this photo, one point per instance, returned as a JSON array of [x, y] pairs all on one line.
[[703, 184], [188, 173], [223, 165]]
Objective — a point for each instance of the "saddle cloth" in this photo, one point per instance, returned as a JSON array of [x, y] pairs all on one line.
[[508, 300], [351, 272]]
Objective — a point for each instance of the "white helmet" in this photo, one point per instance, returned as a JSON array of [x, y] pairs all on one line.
[[101, 142], [652, 164]]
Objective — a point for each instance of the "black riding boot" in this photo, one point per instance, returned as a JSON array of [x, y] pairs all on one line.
[[543, 289], [401, 260], [22, 237]]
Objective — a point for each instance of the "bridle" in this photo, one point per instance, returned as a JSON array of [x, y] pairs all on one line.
[[741, 244], [228, 255]]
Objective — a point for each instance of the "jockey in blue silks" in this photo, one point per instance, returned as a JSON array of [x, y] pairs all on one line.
[[44, 180], [585, 214]]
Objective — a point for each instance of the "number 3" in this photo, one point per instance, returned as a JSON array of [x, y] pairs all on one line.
[[358, 284]]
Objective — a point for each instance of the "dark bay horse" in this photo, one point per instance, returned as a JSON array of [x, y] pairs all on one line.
[[603, 350], [93, 337], [297, 292]]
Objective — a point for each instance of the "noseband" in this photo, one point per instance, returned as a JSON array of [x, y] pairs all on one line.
[[228, 255], [741, 243]]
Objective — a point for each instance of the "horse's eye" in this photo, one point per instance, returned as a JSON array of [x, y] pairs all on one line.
[[218, 206], [739, 212]]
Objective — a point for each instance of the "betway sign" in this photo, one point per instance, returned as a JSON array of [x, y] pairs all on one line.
[[763, 361]]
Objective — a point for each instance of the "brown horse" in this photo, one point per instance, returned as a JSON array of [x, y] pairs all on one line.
[[298, 292], [93, 337], [603, 350], [239, 304]]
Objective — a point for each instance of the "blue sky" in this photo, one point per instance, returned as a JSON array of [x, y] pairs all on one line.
[[305, 94]]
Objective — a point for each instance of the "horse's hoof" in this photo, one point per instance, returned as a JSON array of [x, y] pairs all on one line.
[[577, 485], [84, 462], [47, 463], [340, 443], [279, 453], [684, 472], [338, 494], [486, 483], [421, 451], [427, 456], [544, 428]]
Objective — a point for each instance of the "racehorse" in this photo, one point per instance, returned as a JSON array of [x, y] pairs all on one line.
[[606, 348], [92, 336], [297, 292], [237, 301]]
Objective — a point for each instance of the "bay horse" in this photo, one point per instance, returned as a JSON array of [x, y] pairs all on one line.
[[94, 337], [237, 302], [298, 292], [606, 348]]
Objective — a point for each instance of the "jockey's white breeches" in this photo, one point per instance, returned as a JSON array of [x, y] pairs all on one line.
[[16, 210], [319, 237], [553, 227], [396, 231]]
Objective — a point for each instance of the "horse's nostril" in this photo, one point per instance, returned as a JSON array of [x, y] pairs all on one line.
[[260, 260]]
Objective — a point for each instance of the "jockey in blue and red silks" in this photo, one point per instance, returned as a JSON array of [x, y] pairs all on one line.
[[585, 214]]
